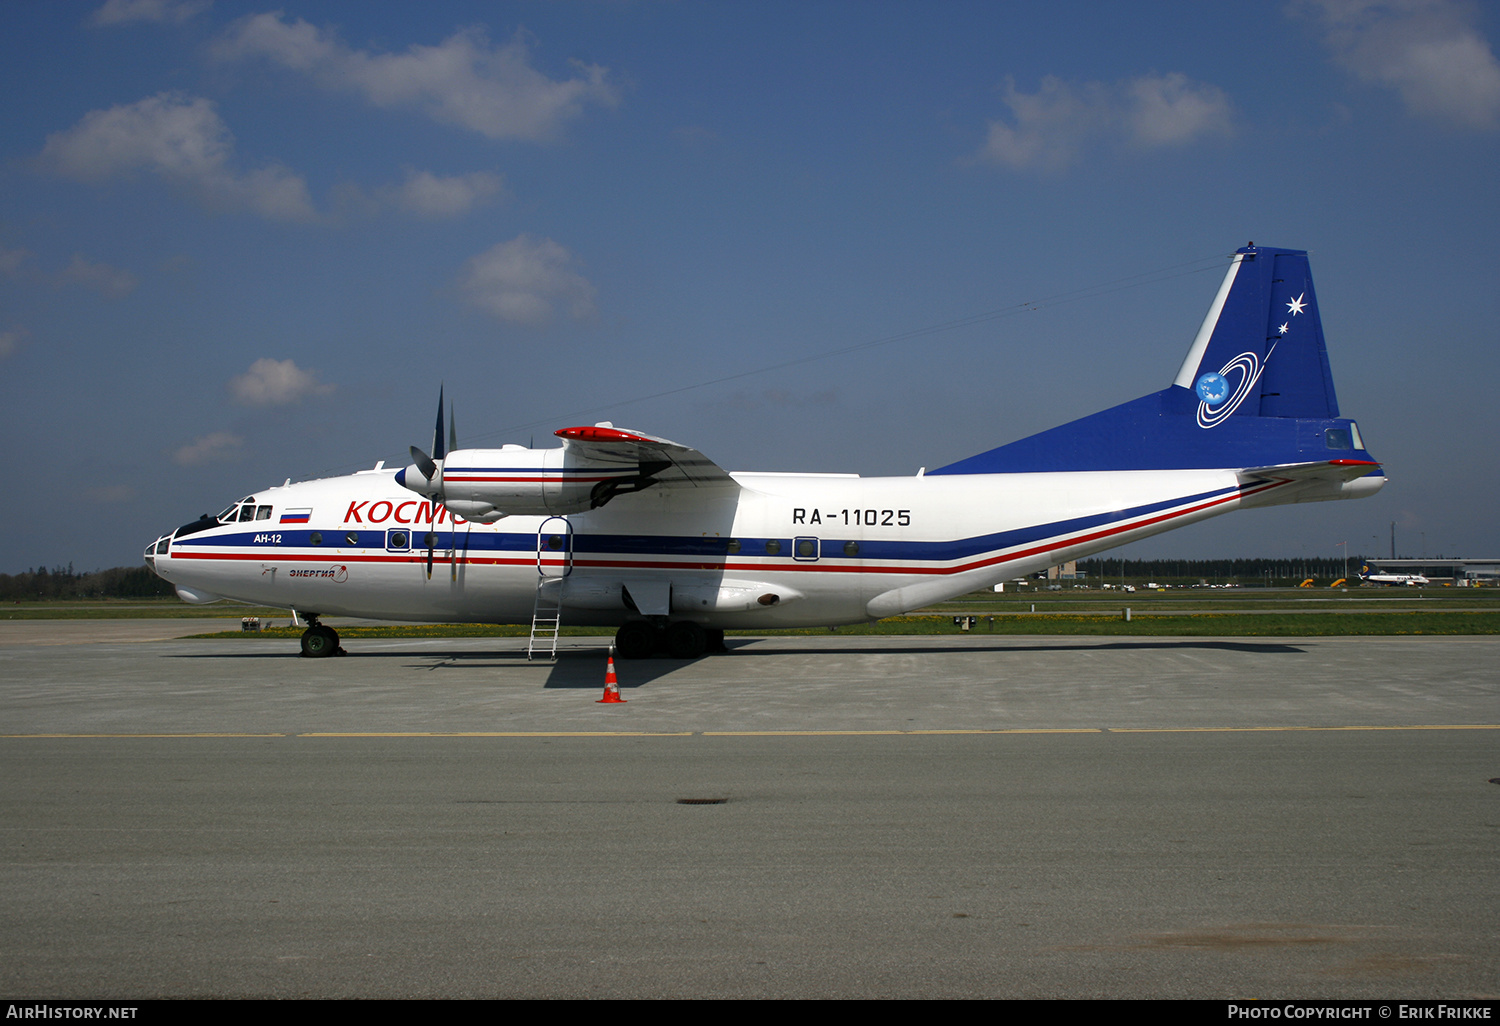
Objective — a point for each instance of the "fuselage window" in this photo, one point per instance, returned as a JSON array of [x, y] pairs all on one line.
[[851, 548], [316, 538], [773, 547], [733, 547], [352, 538]]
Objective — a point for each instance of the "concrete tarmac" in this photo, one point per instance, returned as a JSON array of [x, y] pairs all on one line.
[[890, 817]]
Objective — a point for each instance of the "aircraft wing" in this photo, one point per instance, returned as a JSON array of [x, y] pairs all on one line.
[[671, 463]]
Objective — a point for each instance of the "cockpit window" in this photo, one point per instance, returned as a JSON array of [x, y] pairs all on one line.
[[1338, 438], [263, 513], [241, 511]]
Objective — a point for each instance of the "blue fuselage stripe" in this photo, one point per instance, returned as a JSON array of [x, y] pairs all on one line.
[[586, 544]]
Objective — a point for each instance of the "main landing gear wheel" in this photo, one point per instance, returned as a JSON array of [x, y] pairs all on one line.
[[686, 640], [319, 642], [636, 640]]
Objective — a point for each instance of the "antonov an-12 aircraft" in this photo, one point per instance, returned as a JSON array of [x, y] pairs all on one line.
[[620, 528]]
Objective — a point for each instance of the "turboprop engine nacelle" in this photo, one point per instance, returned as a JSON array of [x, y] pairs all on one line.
[[487, 484]]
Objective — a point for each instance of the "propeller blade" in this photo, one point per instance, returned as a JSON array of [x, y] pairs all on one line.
[[429, 469], [431, 536], [424, 463], [438, 450], [453, 528]]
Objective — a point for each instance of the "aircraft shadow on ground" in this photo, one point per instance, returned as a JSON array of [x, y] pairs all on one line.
[[580, 668], [743, 646], [583, 668]]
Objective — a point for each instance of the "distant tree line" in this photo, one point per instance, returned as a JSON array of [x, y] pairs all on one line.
[[1221, 571], [66, 583]]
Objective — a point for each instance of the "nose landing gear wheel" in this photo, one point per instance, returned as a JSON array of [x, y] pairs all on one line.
[[319, 642]]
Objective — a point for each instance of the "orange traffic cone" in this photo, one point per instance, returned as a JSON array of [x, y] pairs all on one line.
[[611, 685]]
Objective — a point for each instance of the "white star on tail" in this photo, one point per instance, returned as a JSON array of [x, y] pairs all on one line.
[[1283, 329], [1296, 305]]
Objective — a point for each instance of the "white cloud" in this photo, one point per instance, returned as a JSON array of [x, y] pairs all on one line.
[[428, 195], [121, 12], [521, 280], [182, 139], [1051, 127], [275, 383], [1163, 110], [1429, 51], [218, 447], [102, 278], [464, 80], [1050, 124], [168, 133], [10, 341]]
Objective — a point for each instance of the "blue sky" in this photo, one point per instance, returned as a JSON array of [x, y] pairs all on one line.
[[240, 243]]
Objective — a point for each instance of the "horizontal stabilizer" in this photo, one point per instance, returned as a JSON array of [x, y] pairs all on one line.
[[1310, 482], [1329, 470]]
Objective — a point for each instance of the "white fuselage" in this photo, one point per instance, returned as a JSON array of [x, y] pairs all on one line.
[[768, 550]]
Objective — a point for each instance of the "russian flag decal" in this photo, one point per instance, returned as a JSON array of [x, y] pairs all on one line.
[[296, 516]]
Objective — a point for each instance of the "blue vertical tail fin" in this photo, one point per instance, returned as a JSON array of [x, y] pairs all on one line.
[[1264, 339], [1255, 390]]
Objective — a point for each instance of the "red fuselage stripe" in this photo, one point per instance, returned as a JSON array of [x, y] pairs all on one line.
[[420, 556]]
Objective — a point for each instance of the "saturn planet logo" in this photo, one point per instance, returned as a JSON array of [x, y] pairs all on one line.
[[1215, 400]]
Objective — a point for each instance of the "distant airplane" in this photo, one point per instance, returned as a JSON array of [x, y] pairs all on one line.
[[1411, 580], [620, 528]]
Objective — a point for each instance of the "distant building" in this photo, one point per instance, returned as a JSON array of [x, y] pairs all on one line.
[[1067, 571]]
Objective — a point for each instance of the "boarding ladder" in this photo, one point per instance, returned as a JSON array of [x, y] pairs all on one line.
[[554, 562]]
